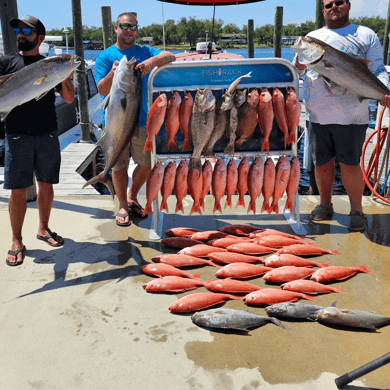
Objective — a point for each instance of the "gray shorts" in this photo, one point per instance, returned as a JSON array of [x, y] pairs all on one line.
[[28, 154], [136, 150], [342, 141]]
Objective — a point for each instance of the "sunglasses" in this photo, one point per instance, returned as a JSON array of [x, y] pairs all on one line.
[[125, 26], [338, 3], [25, 30]]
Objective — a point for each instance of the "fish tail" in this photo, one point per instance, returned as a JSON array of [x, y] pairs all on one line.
[[179, 206], [148, 209], [363, 268], [186, 145], [240, 202], [148, 146], [336, 252], [323, 265], [340, 290], [305, 296], [217, 206], [164, 205], [201, 202], [228, 203], [229, 150], [239, 143], [194, 276], [265, 145], [265, 207], [209, 152], [275, 208], [252, 207], [172, 144], [102, 178], [196, 209], [236, 297], [288, 206], [292, 138], [214, 264]]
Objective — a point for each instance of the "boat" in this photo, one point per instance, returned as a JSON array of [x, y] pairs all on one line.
[[202, 53]]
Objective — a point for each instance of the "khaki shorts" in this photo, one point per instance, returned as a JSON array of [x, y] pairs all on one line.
[[136, 148]]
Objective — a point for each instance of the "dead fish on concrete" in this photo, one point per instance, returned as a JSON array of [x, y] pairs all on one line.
[[351, 318], [232, 319], [293, 310]]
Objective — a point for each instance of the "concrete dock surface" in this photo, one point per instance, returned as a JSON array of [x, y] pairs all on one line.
[[77, 317]]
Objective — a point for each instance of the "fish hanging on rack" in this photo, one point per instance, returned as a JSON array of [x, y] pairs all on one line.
[[293, 183], [184, 118], [181, 185], [281, 181], [293, 111], [153, 186], [155, 120], [172, 120], [218, 184], [279, 106], [167, 184], [269, 184], [255, 182]]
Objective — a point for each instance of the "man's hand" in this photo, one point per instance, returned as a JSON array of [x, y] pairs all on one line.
[[145, 67], [385, 101]]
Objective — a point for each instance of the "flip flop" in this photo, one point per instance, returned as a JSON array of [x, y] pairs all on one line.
[[15, 253], [54, 236], [137, 211], [122, 215]]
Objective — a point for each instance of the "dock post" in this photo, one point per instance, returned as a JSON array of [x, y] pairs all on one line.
[[251, 50], [320, 22], [107, 26], [81, 77], [8, 11], [386, 39], [278, 32]]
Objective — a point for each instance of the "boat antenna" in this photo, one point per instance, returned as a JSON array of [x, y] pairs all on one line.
[[212, 34]]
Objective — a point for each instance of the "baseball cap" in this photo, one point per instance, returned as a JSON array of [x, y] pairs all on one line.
[[30, 21]]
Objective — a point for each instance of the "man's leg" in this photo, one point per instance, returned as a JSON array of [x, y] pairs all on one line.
[[352, 177], [45, 202], [17, 207], [325, 175], [120, 180], [138, 179]]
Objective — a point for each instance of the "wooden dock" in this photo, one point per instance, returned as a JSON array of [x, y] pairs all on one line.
[[74, 160]]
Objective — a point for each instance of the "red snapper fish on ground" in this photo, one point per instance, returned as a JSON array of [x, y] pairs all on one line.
[[230, 257], [226, 241], [153, 186], [282, 176], [179, 242], [255, 182], [199, 301], [272, 296], [273, 232], [242, 181], [155, 120], [201, 250], [172, 120], [181, 185], [239, 230], [230, 286], [218, 183], [250, 248], [306, 250], [310, 287], [172, 284], [287, 274], [330, 274], [161, 269], [276, 261], [210, 235], [181, 261], [275, 241], [241, 271], [181, 232], [167, 184]]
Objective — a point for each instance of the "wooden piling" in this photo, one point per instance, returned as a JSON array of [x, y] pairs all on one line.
[[386, 58], [278, 32], [107, 26], [251, 47], [8, 11], [320, 21], [81, 77]]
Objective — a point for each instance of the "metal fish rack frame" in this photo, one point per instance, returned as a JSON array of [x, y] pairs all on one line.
[[187, 76]]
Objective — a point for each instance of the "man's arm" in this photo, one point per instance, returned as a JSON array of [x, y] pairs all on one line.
[[159, 60], [104, 85], [67, 91]]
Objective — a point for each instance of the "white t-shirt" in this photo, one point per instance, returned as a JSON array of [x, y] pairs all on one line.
[[337, 106]]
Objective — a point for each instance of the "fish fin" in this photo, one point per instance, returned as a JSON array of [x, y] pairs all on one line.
[[148, 209], [186, 145], [327, 87], [123, 103], [148, 146], [252, 207], [240, 202], [39, 80], [229, 150], [292, 138], [228, 203], [238, 143], [288, 205], [179, 207], [279, 323], [340, 290], [4, 78], [105, 102], [102, 178], [164, 205], [275, 208], [195, 276], [41, 96], [363, 61], [336, 252], [308, 297], [214, 265], [217, 207], [333, 304], [265, 145], [3, 115], [196, 209], [323, 265], [328, 65]]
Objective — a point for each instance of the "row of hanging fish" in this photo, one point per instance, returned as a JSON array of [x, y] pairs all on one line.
[[256, 178], [203, 120], [231, 250]]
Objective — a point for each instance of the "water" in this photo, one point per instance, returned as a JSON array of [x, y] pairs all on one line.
[[288, 54]]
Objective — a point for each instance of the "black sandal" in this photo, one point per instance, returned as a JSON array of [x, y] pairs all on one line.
[[15, 253], [123, 215], [137, 211], [54, 236]]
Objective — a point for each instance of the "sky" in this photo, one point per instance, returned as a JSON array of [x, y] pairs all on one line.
[[58, 14]]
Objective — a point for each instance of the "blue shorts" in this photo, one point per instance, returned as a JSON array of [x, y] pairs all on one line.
[[28, 154], [342, 141]]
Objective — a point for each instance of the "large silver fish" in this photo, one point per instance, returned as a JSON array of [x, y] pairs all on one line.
[[34, 81], [345, 70], [122, 105], [232, 319], [352, 318], [293, 310]]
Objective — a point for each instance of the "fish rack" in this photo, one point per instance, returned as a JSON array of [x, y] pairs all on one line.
[[186, 76]]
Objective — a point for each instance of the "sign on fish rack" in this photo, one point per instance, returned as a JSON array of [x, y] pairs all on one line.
[[277, 75]]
